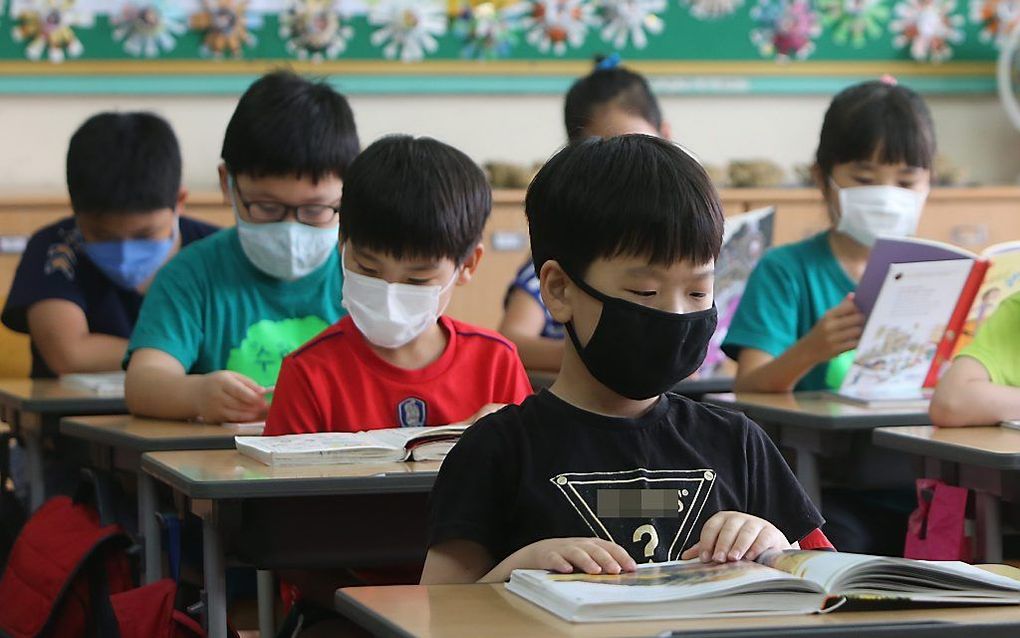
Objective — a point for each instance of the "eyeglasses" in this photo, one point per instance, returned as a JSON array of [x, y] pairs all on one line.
[[310, 214]]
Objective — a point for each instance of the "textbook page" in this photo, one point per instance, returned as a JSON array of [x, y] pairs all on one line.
[[904, 329], [104, 384], [1001, 281]]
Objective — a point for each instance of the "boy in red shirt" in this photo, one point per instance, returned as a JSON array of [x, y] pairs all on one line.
[[411, 222]]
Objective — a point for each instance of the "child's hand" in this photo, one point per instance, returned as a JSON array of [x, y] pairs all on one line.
[[732, 536], [837, 331], [486, 410], [566, 555], [229, 397]]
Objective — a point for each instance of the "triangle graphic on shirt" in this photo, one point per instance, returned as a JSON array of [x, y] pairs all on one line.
[[651, 513]]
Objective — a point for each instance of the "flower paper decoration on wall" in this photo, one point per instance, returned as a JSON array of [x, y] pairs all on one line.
[[407, 28], [148, 28], [489, 29], [854, 21], [625, 20], [48, 28], [553, 25], [927, 28], [785, 29], [226, 26], [315, 29], [998, 18]]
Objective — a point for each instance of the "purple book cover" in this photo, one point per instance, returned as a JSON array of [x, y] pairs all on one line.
[[899, 251]]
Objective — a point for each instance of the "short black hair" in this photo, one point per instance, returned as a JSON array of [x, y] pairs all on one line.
[[415, 197], [287, 125], [630, 195], [123, 163], [876, 117], [618, 87]]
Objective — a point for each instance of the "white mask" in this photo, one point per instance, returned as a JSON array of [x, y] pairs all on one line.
[[870, 212], [284, 250], [391, 315]]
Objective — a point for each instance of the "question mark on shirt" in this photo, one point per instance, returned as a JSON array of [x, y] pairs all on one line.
[[653, 539]]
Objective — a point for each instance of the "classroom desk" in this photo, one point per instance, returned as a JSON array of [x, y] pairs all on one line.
[[466, 611], [815, 425], [216, 480], [692, 388], [33, 408], [987, 460], [118, 442]]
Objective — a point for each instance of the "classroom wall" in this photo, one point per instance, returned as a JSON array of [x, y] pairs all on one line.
[[34, 130]]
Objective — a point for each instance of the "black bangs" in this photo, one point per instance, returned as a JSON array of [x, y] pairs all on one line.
[[634, 195], [414, 198], [286, 125], [877, 119]]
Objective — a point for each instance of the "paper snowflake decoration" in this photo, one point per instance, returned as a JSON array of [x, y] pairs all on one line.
[[553, 25], [48, 27], [408, 29], [315, 29], [226, 26], [854, 21], [629, 20], [489, 29], [998, 18], [928, 28], [148, 28], [785, 28], [713, 9]]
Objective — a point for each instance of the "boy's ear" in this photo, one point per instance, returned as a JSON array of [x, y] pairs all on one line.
[[470, 265], [554, 291], [182, 199], [224, 182]]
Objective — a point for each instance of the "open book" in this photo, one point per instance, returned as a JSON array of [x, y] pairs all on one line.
[[919, 296], [789, 582], [746, 238], [371, 446], [103, 384]]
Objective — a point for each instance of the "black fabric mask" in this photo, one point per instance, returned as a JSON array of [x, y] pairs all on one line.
[[640, 352]]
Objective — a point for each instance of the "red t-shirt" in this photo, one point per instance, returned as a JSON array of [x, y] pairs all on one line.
[[337, 383]]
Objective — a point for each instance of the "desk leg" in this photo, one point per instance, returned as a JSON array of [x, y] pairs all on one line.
[[215, 578], [267, 599], [148, 527], [36, 476], [807, 474], [989, 526]]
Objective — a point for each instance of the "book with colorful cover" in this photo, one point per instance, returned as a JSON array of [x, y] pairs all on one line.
[[778, 583], [917, 295], [746, 237], [371, 446]]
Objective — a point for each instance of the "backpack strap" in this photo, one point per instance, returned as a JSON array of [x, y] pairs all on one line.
[[104, 619]]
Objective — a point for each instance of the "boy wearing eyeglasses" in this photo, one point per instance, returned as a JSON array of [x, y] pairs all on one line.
[[219, 318]]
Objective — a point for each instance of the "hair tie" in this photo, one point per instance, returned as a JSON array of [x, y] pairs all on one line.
[[608, 63], [888, 80]]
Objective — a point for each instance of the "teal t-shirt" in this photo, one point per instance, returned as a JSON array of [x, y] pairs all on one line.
[[211, 309], [786, 295]]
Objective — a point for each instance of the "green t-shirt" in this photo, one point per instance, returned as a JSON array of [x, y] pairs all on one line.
[[786, 295], [211, 309], [997, 346]]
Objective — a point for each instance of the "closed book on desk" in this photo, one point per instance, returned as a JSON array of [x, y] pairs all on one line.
[[790, 582], [371, 446]]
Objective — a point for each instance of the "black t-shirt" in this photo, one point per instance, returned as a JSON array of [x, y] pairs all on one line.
[[546, 469], [54, 266]]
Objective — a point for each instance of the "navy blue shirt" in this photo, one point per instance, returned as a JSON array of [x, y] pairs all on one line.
[[54, 266]]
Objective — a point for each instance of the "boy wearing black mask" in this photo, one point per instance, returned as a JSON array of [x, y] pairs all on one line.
[[604, 470]]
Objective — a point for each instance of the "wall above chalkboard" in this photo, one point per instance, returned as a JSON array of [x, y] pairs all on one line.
[[499, 46]]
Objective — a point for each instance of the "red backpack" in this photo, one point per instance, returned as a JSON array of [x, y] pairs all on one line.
[[69, 576]]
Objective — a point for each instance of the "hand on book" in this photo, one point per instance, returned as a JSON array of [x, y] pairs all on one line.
[[733, 536], [227, 396], [838, 330], [567, 555]]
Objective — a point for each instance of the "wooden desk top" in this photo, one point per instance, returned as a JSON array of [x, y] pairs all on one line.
[[227, 474], [51, 397], [816, 410], [467, 611], [147, 435], [992, 447]]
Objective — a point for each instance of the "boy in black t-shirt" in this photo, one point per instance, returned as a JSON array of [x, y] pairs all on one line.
[[604, 469]]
